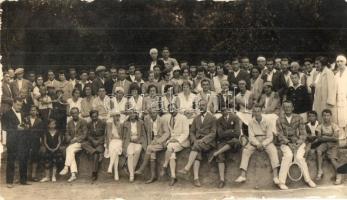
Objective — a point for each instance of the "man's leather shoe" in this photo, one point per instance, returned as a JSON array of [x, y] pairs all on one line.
[[173, 181], [221, 184], [9, 185], [197, 183]]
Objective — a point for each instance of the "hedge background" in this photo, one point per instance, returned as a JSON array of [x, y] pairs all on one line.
[[65, 33]]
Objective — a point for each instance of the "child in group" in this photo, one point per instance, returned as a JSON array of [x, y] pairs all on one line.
[[311, 126], [44, 103], [327, 135], [53, 151]]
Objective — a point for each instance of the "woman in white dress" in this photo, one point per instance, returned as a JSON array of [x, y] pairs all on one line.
[[169, 97], [114, 142], [74, 101], [35, 94], [119, 102], [341, 95], [217, 80], [135, 99], [188, 101]]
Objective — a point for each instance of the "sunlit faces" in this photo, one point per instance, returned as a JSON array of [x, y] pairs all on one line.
[[257, 112], [186, 87], [288, 107], [326, 116], [166, 53], [295, 78], [33, 111], [114, 73], [122, 74], [76, 93], [101, 93], [255, 73], [153, 53], [242, 85], [62, 77], [94, 115], [39, 80], [340, 61], [203, 105], [235, 65], [205, 84], [74, 112], [270, 65], [225, 85], [88, 91], [50, 75], [220, 70]]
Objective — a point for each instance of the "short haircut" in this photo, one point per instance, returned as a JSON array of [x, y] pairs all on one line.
[[167, 87], [134, 86], [312, 112], [93, 112], [308, 60], [205, 80], [152, 86], [323, 60], [295, 73], [187, 83], [75, 90], [327, 111], [287, 101], [74, 108], [166, 48]]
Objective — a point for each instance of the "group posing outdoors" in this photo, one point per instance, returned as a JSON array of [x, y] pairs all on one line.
[[277, 104]]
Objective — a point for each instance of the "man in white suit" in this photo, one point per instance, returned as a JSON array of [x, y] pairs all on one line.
[[178, 127]]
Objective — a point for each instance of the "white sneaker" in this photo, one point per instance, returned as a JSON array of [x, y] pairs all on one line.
[[109, 170], [116, 178], [54, 179], [72, 178], [45, 179], [276, 180], [282, 186], [240, 179], [64, 171], [311, 184]]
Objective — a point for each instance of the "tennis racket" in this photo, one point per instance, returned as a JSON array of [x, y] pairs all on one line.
[[295, 170]]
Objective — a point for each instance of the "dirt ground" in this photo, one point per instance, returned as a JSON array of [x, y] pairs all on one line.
[[107, 189]]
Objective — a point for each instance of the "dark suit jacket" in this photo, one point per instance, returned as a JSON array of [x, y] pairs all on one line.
[[79, 131], [81, 89], [205, 131], [96, 84], [293, 132], [109, 86], [96, 134], [242, 75], [6, 98], [10, 122], [36, 129], [227, 130], [140, 130], [279, 83], [300, 98]]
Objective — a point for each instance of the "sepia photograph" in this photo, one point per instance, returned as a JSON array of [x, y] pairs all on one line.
[[173, 99]]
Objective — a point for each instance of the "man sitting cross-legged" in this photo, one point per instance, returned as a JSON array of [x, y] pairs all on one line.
[[178, 126], [157, 140], [228, 132], [260, 139], [202, 136]]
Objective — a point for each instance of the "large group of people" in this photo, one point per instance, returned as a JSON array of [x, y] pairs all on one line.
[[115, 112]]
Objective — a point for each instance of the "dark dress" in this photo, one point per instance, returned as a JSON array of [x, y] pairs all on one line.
[[55, 158]]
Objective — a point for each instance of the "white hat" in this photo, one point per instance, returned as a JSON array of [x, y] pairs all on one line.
[[19, 71], [119, 89], [100, 68]]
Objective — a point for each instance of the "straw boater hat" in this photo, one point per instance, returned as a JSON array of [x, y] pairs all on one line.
[[100, 68], [19, 71]]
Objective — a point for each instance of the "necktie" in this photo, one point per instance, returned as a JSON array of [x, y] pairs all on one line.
[[172, 122]]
